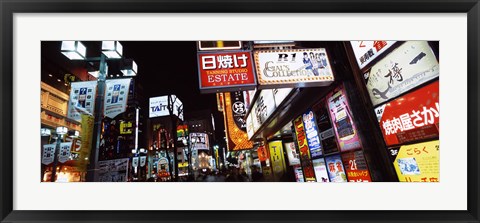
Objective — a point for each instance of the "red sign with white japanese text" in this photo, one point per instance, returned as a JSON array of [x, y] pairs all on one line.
[[412, 117], [356, 167], [226, 71], [307, 164]]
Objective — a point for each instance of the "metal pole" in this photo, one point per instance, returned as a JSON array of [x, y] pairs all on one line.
[[97, 128], [55, 158]]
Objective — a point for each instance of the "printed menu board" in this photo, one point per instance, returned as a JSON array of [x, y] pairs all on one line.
[[356, 167], [335, 169], [418, 162], [320, 170]]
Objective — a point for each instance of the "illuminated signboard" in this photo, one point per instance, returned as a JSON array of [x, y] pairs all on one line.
[[335, 169], [343, 124], [226, 71], [219, 45], [408, 66], [298, 174], [320, 170], [301, 139], [292, 154], [356, 167], [418, 162], [277, 159], [366, 51], [293, 68], [235, 119], [412, 117], [312, 134], [200, 141]]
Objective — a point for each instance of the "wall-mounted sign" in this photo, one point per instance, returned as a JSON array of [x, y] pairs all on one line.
[[277, 159], [126, 128], [408, 66], [226, 71], [320, 170], [235, 120], [335, 169], [158, 106], [280, 94], [48, 153], [116, 96], [312, 134], [327, 134], [366, 51], [264, 106], [293, 67], [412, 117], [301, 139], [219, 45], [298, 174], [82, 99], [343, 124], [356, 167], [199, 141], [418, 162], [250, 129], [113, 170], [292, 154]]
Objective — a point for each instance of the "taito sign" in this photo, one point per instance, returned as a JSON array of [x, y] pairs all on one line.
[[226, 71], [412, 117]]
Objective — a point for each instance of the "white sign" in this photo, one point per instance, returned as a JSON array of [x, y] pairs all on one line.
[[82, 99], [113, 170], [143, 160], [158, 106], [116, 96], [199, 141], [280, 94], [177, 107], [250, 129], [293, 156], [264, 106], [64, 155], [408, 66], [48, 154], [320, 168], [294, 67], [135, 161], [366, 51]]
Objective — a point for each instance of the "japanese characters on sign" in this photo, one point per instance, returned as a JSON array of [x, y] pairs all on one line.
[[408, 66], [65, 151], [298, 174], [264, 106], [301, 139], [48, 154], [116, 96], [226, 71], [320, 170], [235, 120], [280, 94], [356, 167], [335, 169], [418, 162], [277, 159], [312, 134], [200, 141], [343, 124], [412, 117], [292, 154], [113, 170], [293, 67], [82, 99], [366, 51]]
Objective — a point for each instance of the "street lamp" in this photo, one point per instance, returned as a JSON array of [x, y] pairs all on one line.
[[60, 131], [74, 50]]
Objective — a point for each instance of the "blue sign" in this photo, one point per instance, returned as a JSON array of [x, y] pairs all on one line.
[[311, 131]]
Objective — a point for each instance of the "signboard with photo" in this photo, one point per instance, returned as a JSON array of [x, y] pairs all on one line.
[[408, 66], [312, 134], [293, 68], [412, 117], [113, 170], [116, 96], [301, 139], [226, 71], [82, 99], [298, 174], [292, 154], [418, 162], [343, 124], [356, 167], [48, 153], [320, 170], [366, 51], [336, 171]]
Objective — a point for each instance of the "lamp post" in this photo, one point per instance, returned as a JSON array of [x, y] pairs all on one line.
[[111, 50], [60, 131]]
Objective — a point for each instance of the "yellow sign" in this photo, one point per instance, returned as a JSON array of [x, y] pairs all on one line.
[[125, 128], [277, 158], [184, 164], [86, 141], [418, 162]]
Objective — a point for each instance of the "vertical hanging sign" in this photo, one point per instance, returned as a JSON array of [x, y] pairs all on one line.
[[277, 158], [48, 154], [116, 96], [82, 99], [307, 165], [312, 134], [65, 150]]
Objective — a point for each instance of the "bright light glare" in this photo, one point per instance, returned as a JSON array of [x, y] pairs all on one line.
[[112, 49]]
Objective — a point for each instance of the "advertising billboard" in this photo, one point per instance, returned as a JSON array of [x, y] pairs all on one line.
[[236, 124], [292, 154], [82, 99], [158, 106], [366, 51], [293, 68], [113, 170], [418, 162], [356, 167], [301, 139], [411, 117], [226, 71], [336, 171], [320, 170], [408, 66], [277, 159], [116, 96], [342, 120], [312, 134]]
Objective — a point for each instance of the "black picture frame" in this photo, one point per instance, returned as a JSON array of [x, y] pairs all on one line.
[[10, 7]]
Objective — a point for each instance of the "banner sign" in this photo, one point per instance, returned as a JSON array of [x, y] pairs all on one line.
[[235, 120], [116, 96], [414, 116], [312, 134], [408, 66], [366, 51], [82, 99], [113, 170], [48, 154], [65, 151], [335, 169], [341, 116], [226, 71], [293, 68], [292, 154], [86, 137], [304, 151], [134, 161], [418, 162], [277, 159], [320, 170], [143, 161], [356, 167]]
